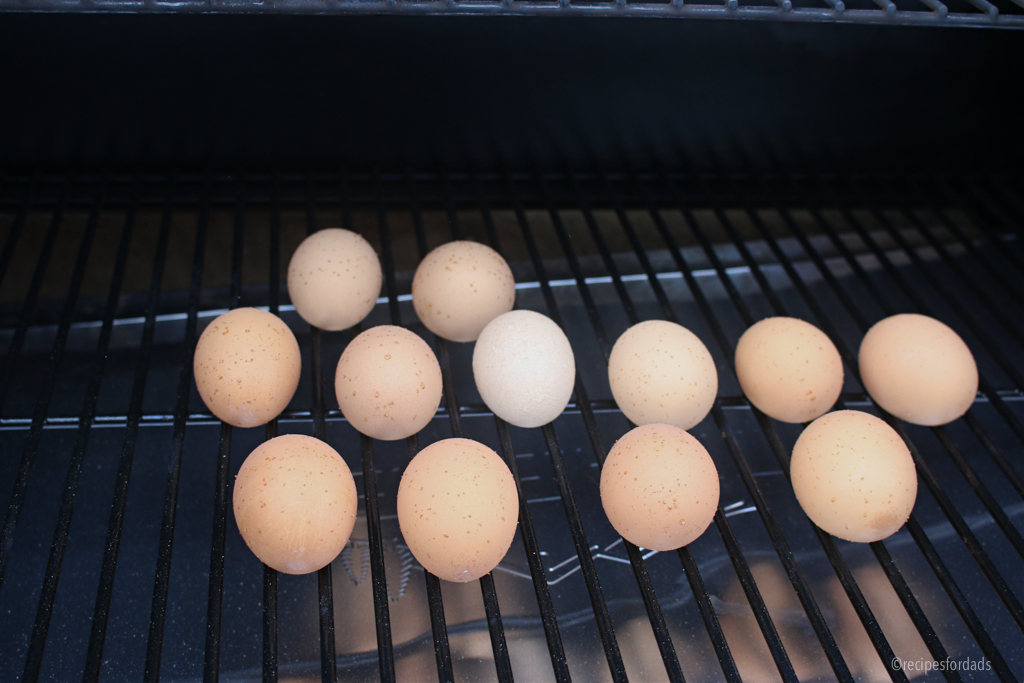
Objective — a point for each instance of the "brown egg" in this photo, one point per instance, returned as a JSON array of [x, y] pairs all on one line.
[[789, 369], [918, 369], [659, 487], [247, 367], [660, 372], [854, 476], [388, 383], [295, 503], [334, 279], [460, 287], [458, 509]]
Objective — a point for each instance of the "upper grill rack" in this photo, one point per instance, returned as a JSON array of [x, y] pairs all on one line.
[[985, 13], [719, 245]]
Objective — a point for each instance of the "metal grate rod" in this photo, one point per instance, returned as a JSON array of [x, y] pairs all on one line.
[[101, 612], [325, 586], [47, 594], [540, 584], [589, 571], [49, 381], [221, 497], [435, 602], [161, 583], [497, 633], [270, 656]]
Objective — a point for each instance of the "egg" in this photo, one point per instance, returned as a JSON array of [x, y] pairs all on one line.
[[789, 369], [458, 509], [661, 372], [659, 487], [295, 503], [334, 279], [918, 369], [854, 476], [388, 383], [460, 287], [524, 368], [247, 366]]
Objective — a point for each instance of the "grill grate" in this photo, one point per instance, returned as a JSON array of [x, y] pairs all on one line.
[[978, 13], [605, 250]]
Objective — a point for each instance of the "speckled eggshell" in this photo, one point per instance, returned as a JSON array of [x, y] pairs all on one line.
[[460, 287], [334, 279], [247, 367], [524, 368], [789, 369], [659, 487], [918, 369], [854, 476], [458, 509], [295, 503], [388, 383], [660, 372]]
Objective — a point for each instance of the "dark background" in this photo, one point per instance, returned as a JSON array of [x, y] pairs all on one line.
[[257, 92]]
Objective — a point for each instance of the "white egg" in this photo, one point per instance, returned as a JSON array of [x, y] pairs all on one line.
[[524, 368]]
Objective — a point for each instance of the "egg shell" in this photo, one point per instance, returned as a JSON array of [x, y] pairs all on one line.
[[246, 366], [458, 509], [854, 476], [918, 369], [388, 383], [334, 279], [295, 503], [659, 487], [789, 369], [661, 372], [524, 368], [460, 287]]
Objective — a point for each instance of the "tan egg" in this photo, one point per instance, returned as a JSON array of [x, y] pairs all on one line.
[[460, 287], [661, 372], [388, 383], [789, 369], [334, 279], [659, 487], [295, 503], [918, 369], [247, 367], [524, 368], [854, 476], [458, 509]]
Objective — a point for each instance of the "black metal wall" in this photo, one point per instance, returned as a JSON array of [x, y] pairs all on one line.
[[255, 92]]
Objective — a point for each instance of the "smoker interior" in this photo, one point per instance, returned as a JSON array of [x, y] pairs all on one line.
[[121, 556], [158, 170]]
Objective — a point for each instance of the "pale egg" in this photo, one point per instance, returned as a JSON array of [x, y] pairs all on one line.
[[460, 287], [789, 369], [388, 383], [247, 366], [295, 503], [524, 368], [661, 372], [334, 279], [458, 509], [659, 487], [918, 369], [854, 476]]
